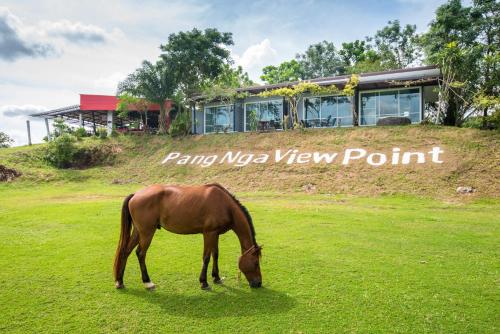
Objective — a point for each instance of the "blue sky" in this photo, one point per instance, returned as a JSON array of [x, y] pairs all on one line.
[[54, 50]]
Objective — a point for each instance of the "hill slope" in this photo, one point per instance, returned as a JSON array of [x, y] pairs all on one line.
[[470, 158]]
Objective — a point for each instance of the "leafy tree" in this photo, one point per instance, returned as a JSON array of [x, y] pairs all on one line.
[[486, 15], [155, 83], [200, 56], [321, 60], [225, 86], [284, 72], [450, 44], [296, 93], [5, 140], [127, 102], [397, 46]]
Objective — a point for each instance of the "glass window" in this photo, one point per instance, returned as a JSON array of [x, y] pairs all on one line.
[[264, 115], [219, 119], [344, 111], [369, 103], [388, 104], [312, 112], [328, 111], [409, 104], [402, 102]]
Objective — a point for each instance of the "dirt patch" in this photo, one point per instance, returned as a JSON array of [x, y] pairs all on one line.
[[8, 174]]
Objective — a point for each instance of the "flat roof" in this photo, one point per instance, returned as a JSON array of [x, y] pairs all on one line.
[[430, 73], [90, 103]]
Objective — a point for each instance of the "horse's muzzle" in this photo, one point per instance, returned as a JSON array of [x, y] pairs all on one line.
[[255, 284]]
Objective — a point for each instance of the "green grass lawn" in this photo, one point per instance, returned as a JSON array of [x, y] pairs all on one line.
[[330, 264]]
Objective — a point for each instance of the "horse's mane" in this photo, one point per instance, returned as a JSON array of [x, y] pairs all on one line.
[[242, 207]]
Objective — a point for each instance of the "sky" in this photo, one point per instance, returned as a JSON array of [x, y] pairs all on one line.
[[53, 50]]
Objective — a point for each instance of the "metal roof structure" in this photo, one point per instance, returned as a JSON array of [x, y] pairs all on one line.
[[421, 75]]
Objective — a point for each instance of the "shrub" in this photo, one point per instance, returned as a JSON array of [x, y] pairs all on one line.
[[252, 120], [181, 125], [65, 152], [61, 151], [5, 140], [60, 127], [80, 133], [492, 121], [102, 133]]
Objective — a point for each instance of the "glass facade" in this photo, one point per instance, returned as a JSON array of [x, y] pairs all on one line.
[[219, 119], [264, 115], [401, 102], [327, 111]]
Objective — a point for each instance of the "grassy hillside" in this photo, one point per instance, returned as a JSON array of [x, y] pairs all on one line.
[[471, 158]]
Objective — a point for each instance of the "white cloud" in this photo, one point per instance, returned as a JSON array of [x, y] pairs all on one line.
[[255, 57], [256, 54], [108, 84], [77, 32], [14, 43]]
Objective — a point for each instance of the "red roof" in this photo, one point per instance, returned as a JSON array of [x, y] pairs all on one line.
[[108, 102]]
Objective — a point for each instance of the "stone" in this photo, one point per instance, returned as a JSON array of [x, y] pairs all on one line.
[[465, 190]]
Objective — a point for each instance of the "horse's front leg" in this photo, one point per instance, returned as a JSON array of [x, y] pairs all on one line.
[[209, 241], [215, 265]]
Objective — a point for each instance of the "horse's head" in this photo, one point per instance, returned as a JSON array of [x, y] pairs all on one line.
[[250, 266]]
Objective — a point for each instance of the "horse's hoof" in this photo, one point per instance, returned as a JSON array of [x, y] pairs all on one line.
[[149, 285], [119, 285], [218, 281], [206, 287]]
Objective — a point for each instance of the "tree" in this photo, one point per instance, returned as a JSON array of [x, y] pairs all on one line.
[[200, 56], [359, 57], [450, 43], [126, 102], [225, 86], [354, 52], [486, 14], [321, 60], [284, 72], [5, 140], [397, 46], [156, 83], [296, 93]]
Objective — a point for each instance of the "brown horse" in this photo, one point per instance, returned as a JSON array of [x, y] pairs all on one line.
[[208, 209]]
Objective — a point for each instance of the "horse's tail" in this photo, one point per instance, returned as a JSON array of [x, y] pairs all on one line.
[[126, 226]]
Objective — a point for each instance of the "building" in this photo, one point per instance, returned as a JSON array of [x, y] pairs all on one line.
[[96, 111], [404, 92]]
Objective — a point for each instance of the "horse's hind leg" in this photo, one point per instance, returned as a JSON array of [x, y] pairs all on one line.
[[215, 265], [144, 242], [209, 241], [133, 241]]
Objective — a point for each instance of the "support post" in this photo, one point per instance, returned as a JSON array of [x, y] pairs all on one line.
[[355, 107], [93, 123], [80, 118], [193, 118], [110, 122], [29, 131], [48, 130]]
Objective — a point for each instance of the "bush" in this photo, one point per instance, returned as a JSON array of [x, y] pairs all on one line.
[[181, 125], [65, 152], [80, 133], [492, 122], [5, 140], [102, 133], [61, 151]]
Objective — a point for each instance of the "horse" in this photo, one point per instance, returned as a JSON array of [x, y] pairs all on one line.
[[208, 209]]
